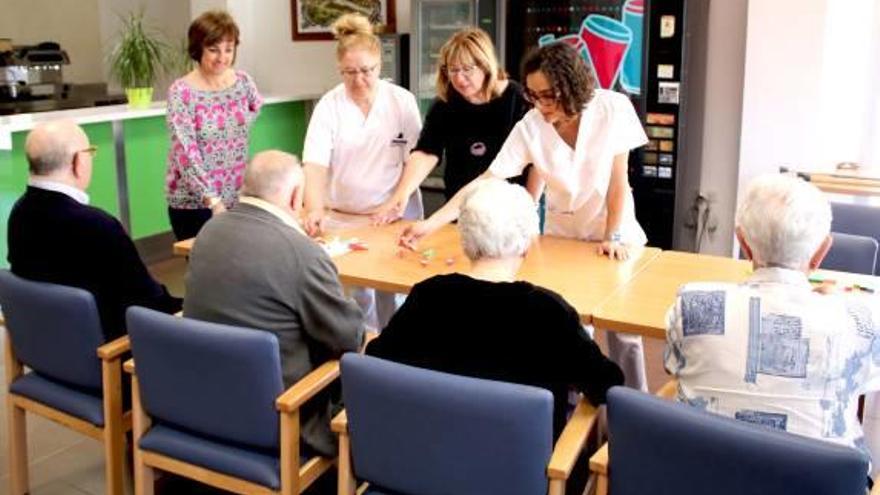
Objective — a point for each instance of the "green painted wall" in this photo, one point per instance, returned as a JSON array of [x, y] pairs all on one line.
[[280, 126], [146, 152]]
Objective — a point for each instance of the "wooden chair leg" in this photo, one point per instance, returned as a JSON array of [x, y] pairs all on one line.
[[601, 484], [18, 457], [557, 487], [114, 431], [16, 425], [346, 481], [290, 482], [140, 423]]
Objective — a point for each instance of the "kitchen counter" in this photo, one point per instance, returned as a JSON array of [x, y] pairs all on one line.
[[128, 179]]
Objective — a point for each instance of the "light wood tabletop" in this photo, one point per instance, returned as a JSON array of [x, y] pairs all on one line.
[[641, 305], [571, 268]]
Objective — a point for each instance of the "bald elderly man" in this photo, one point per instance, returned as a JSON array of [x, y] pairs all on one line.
[[254, 266], [55, 236]]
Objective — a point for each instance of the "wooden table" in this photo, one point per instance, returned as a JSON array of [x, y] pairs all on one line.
[[572, 268], [641, 305], [856, 183]]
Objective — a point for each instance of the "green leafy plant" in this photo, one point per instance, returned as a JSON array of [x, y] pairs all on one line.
[[140, 53]]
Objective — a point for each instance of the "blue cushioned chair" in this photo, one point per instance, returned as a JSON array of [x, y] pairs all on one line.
[[856, 220], [75, 378], [662, 447], [209, 404], [422, 432], [851, 253]]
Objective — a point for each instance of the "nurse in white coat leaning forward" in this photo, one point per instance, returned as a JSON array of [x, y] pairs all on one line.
[[358, 137], [578, 137]]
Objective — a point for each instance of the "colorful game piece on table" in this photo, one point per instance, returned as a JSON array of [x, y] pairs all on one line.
[[450, 261], [337, 247], [821, 279], [429, 253]]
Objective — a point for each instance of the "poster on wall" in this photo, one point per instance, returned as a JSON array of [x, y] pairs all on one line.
[[312, 18]]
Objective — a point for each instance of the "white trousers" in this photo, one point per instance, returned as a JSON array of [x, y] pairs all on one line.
[[628, 351]]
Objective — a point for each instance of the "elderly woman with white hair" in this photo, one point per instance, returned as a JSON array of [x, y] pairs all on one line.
[[772, 350], [485, 324]]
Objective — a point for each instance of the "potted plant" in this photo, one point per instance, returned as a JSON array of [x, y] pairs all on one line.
[[138, 57]]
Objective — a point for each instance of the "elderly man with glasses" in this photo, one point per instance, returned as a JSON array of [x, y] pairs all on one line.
[[55, 236]]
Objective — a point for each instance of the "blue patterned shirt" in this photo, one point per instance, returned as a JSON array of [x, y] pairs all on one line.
[[773, 352]]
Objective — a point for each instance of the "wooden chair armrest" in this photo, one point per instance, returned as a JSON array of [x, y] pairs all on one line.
[[128, 366], [571, 441], [669, 390], [339, 424], [599, 461], [308, 386], [114, 349]]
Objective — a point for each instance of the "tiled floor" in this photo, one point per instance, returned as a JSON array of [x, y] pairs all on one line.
[[63, 462]]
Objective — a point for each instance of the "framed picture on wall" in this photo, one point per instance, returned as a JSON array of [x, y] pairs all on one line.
[[312, 18]]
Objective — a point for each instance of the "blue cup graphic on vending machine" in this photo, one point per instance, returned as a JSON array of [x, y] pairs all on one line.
[[631, 74]]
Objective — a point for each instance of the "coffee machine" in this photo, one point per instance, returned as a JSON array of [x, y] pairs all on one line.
[[31, 72]]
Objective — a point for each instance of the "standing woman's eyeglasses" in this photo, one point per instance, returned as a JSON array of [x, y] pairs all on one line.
[[466, 70], [364, 71], [544, 98]]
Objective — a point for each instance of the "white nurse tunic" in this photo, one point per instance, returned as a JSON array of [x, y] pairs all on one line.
[[364, 154], [577, 179]]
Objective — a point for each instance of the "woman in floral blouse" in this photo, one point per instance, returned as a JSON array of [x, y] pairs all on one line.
[[210, 111]]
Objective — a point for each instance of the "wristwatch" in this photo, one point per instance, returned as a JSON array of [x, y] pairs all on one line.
[[615, 237]]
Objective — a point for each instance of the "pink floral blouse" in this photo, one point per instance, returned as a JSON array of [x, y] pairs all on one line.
[[209, 141]]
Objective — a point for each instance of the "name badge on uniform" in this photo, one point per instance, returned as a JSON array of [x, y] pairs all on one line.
[[399, 140]]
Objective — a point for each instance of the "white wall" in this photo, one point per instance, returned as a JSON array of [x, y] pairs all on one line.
[[170, 17], [810, 98], [72, 23], [278, 64]]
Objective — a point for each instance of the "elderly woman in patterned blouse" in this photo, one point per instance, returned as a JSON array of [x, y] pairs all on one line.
[[210, 111]]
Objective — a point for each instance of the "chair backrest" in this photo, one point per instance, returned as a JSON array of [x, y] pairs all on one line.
[[425, 432], [662, 447], [857, 220], [55, 329], [215, 380], [851, 253]]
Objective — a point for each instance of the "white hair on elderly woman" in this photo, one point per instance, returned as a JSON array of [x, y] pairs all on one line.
[[783, 220], [498, 220]]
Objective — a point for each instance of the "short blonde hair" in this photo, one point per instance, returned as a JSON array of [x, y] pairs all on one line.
[[470, 46], [354, 31]]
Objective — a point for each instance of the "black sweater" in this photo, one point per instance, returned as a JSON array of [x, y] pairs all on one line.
[[53, 238]]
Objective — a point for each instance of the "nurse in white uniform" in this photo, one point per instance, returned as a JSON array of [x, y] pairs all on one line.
[[358, 137], [578, 137]]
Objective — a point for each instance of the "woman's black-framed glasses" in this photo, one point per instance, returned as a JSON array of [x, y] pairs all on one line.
[[544, 98]]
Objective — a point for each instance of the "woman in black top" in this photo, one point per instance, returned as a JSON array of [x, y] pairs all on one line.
[[475, 109], [485, 324]]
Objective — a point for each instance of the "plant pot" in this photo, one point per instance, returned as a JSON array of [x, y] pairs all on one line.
[[139, 98]]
